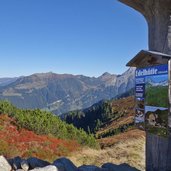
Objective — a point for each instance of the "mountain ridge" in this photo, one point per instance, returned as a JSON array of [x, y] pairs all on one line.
[[61, 93], [7, 80]]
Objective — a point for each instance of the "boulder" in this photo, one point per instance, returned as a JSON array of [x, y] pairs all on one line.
[[64, 164], [35, 162], [47, 168], [24, 165], [122, 167], [60, 166], [91, 168], [15, 162], [4, 165]]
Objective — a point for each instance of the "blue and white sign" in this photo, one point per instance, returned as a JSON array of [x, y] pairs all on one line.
[[151, 92], [154, 70]]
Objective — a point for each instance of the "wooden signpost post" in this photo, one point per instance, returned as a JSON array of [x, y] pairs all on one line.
[[158, 16]]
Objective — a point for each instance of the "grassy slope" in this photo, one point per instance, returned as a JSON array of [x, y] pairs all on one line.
[[125, 107], [24, 143], [128, 147], [45, 123]]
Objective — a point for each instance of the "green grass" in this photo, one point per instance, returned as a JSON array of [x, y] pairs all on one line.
[[157, 131], [157, 96]]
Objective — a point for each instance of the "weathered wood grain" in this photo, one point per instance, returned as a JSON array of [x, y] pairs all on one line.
[[158, 16]]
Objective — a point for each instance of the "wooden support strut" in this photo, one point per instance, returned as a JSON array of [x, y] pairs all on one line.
[[157, 14], [137, 5]]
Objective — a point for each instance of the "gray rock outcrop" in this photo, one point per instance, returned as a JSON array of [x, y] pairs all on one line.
[[4, 165], [61, 164], [25, 165], [122, 167], [15, 163], [91, 168], [65, 164], [35, 162], [47, 168]]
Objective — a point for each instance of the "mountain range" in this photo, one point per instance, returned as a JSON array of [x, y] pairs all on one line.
[[155, 84], [6, 81], [61, 93]]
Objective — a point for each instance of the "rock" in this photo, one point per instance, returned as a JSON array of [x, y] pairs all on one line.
[[65, 164], [122, 167], [91, 168], [15, 162], [47, 168], [60, 166], [4, 165], [34, 162], [24, 165]]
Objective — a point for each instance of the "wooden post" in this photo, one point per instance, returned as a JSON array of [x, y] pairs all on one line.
[[157, 13]]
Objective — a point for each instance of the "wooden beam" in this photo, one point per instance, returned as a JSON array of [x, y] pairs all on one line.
[[136, 4]]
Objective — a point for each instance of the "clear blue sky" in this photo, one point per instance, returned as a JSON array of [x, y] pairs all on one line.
[[86, 37]]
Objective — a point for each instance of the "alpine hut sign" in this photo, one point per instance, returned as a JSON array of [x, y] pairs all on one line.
[[152, 103]]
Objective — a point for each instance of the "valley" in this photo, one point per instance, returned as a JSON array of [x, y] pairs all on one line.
[[105, 118]]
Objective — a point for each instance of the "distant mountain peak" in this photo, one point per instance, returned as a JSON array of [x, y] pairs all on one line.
[[43, 73], [106, 74], [108, 79]]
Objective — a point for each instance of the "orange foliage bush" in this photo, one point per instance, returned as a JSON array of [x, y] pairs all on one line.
[[24, 143]]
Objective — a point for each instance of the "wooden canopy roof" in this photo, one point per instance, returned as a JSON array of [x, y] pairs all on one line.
[[148, 58]]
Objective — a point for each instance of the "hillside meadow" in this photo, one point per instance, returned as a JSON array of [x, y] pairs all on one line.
[[40, 134]]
